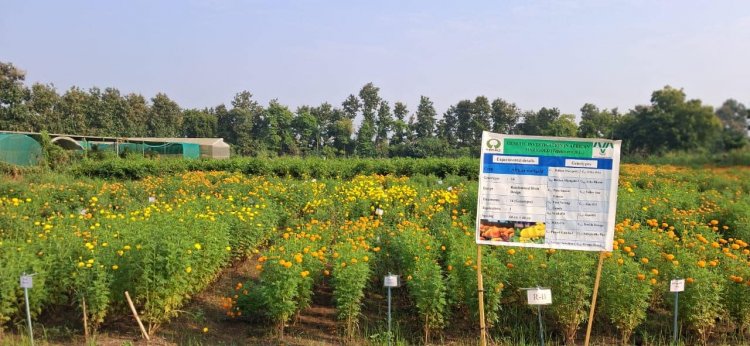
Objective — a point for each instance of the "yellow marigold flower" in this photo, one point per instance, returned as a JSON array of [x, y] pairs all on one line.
[[197, 246], [188, 270]]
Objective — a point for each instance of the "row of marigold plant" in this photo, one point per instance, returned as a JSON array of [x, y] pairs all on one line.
[[165, 238]]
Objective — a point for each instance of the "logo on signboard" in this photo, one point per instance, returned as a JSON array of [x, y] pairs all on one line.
[[494, 144], [602, 147]]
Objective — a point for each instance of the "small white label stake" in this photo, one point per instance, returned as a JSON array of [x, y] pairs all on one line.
[[677, 285], [539, 296]]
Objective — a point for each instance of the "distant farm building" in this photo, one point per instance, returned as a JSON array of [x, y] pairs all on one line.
[[19, 149], [23, 148], [214, 148]]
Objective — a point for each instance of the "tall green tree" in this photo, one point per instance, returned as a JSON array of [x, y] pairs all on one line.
[[351, 106], [165, 117], [97, 121], [733, 115], [365, 145], [504, 116], [669, 123], [735, 118], [400, 127], [446, 127], [341, 131], [44, 105], [306, 131], [137, 111], [326, 116], [539, 123], [464, 113], [564, 126], [277, 133], [481, 119], [113, 112], [73, 113], [596, 123], [14, 114], [425, 118], [199, 123], [383, 125], [241, 125]]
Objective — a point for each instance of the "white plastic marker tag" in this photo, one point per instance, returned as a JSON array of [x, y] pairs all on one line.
[[27, 281], [677, 285], [390, 281], [539, 296]]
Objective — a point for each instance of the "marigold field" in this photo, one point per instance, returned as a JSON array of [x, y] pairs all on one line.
[[166, 238]]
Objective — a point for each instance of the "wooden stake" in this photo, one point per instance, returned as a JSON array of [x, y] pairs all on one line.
[[480, 292], [135, 314], [593, 298], [85, 320]]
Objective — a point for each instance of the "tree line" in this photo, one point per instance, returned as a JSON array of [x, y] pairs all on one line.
[[670, 122]]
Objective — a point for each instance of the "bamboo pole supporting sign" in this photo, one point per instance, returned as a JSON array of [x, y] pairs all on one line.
[[593, 298], [480, 292]]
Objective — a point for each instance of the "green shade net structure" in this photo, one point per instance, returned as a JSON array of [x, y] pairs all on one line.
[[19, 149], [184, 150]]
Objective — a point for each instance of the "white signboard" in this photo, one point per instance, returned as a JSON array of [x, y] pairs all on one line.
[[547, 192], [677, 285], [391, 281], [27, 281], [539, 296]]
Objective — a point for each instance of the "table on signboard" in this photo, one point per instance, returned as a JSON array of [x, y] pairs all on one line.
[[547, 192]]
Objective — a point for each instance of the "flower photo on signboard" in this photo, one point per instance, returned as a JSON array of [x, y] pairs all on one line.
[[512, 231]]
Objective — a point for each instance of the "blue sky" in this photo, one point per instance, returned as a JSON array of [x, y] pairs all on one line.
[[534, 53]]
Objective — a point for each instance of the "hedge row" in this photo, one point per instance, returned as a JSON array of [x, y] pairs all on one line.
[[282, 167]]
